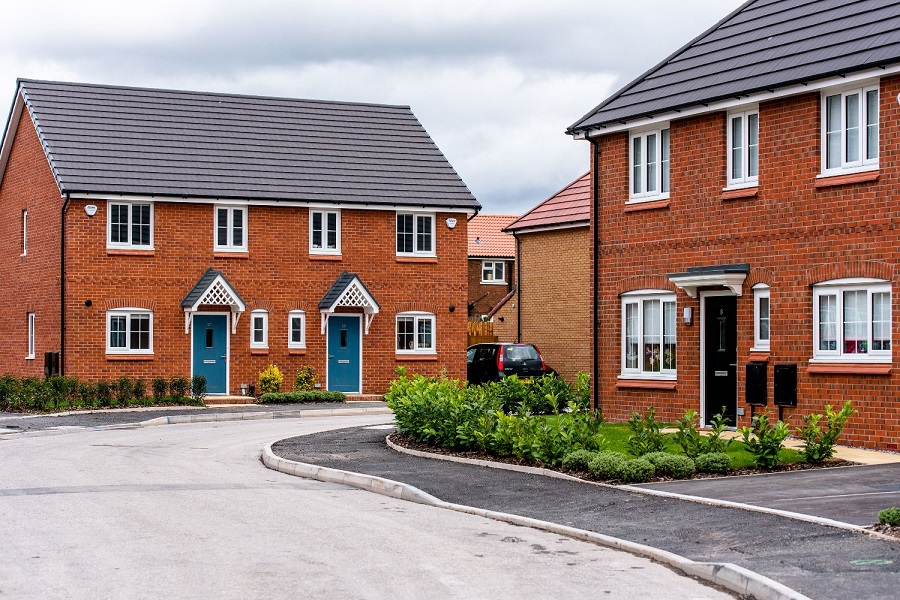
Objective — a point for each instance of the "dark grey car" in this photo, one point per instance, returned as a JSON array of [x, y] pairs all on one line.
[[493, 362]]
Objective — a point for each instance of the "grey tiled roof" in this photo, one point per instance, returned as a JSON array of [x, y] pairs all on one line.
[[111, 139], [763, 45], [339, 287], [203, 284]]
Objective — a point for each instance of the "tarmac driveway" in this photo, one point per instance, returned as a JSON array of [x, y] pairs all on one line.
[[849, 494]]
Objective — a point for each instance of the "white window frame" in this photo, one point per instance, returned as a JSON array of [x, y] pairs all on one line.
[[837, 288], [264, 315], [639, 297], [659, 163], [25, 232], [130, 245], [490, 266], [128, 313], [230, 246], [297, 314], [760, 293], [745, 180], [337, 249], [417, 317], [31, 336], [416, 251], [864, 163]]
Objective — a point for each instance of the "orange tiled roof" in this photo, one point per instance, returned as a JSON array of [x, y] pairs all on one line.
[[569, 206], [486, 237]]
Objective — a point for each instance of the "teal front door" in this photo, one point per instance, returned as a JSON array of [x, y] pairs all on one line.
[[344, 355], [210, 351]]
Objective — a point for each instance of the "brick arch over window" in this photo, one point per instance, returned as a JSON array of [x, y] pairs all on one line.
[[304, 306], [265, 305], [416, 307], [644, 282], [759, 275], [146, 304], [862, 268]]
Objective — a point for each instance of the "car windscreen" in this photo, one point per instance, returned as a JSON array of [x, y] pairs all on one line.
[[517, 353]]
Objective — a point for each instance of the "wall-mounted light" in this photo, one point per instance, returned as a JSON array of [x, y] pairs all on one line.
[[88, 303], [688, 315], [451, 308]]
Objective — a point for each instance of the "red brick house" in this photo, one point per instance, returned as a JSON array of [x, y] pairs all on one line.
[[156, 233], [744, 217], [492, 264]]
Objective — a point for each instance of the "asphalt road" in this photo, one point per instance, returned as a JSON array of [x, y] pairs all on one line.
[[821, 562], [188, 511]]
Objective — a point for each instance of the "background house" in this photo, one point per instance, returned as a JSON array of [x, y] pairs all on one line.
[[554, 290], [746, 221], [492, 269], [156, 233]]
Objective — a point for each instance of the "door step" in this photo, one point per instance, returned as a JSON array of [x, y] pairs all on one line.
[[365, 398], [213, 400]]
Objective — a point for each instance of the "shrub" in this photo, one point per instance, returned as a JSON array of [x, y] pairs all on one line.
[[305, 379], [10, 393], [139, 390], [178, 388], [638, 470], [645, 435], [160, 387], [58, 387], [890, 516], [124, 390], [301, 397], [582, 397], [695, 443], [820, 444], [715, 442], [608, 465], [549, 394], [578, 461], [764, 441], [270, 380], [199, 388], [713, 462], [86, 394], [671, 465], [104, 392], [514, 395]]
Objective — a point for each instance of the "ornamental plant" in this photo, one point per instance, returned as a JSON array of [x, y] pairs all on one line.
[[820, 444], [305, 379], [179, 387], [199, 388], [645, 435], [889, 516], [270, 380], [764, 441]]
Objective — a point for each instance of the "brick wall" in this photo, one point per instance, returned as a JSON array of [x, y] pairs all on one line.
[[792, 234], [485, 296], [555, 297], [506, 321]]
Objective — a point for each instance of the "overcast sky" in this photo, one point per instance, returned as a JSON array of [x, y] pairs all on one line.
[[495, 82]]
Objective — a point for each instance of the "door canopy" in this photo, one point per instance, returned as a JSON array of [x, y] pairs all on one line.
[[348, 290], [212, 289], [727, 276]]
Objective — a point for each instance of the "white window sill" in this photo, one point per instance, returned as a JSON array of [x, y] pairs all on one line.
[[643, 199], [844, 360], [29, 357], [416, 352], [409, 255], [493, 283], [141, 248], [649, 376], [318, 251], [759, 349], [115, 352], [741, 185], [230, 249], [848, 171]]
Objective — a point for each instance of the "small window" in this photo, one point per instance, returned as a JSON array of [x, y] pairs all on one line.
[[850, 130], [130, 225], [415, 234], [650, 165], [415, 333], [324, 232], [493, 271], [297, 329], [743, 148], [852, 321], [30, 336], [231, 229], [24, 232], [649, 346], [129, 331], [760, 317], [259, 329]]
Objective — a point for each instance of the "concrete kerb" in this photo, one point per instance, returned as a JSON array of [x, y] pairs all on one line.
[[732, 577]]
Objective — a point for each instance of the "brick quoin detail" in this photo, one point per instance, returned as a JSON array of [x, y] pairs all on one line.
[[645, 282], [868, 269]]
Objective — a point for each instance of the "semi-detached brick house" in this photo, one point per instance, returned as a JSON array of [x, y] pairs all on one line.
[[745, 216], [157, 233]]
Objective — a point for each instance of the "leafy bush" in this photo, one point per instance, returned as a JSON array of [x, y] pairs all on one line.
[[645, 435], [820, 444], [160, 387], [582, 397], [578, 461], [270, 380], [608, 465], [139, 390], [763, 441], [713, 462], [178, 388], [301, 397], [695, 443], [638, 470], [715, 442], [199, 388], [549, 394], [124, 390], [86, 394], [104, 393], [890, 516], [513, 394], [10, 393], [305, 379], [671, 465]]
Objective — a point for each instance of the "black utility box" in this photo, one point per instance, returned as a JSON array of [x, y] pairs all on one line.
[[755, 390], [785, 390]]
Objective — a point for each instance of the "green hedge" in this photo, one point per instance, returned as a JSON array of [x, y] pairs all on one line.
[[301, 397]]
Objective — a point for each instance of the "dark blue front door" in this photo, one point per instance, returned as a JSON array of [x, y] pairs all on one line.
[[211, 351], [344, 354]]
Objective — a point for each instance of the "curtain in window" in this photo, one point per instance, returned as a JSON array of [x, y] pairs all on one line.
[[652, 337], [855, 322], [827, 322]]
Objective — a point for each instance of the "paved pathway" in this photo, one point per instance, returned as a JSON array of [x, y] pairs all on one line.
[[818, 561]]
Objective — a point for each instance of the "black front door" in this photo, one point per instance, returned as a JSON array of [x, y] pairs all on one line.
[[720, 358]]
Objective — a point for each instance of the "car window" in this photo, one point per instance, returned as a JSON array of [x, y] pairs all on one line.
[[470, 354], [517, 353], [484, 354]]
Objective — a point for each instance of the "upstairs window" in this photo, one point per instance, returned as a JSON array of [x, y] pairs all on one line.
[[30, 355], [649, 345], [493, 271], [850, 130], [130, 225], [743, 148], [650, 165], [231, 229], [852, 320], [129, 331], [259, 329], [415, 234], [324, 232]]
